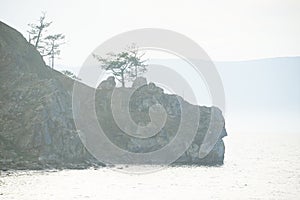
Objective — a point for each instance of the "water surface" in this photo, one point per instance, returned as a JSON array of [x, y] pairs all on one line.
[[256, 167]]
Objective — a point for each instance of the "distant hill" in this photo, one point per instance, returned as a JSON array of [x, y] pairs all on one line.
[[262, 96], [265, 84]]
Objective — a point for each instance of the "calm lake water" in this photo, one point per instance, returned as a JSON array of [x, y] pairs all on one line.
[[256, 167]]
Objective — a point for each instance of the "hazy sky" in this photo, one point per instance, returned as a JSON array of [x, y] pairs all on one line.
[[227, 30]]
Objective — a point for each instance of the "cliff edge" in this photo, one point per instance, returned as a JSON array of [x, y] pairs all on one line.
[[37, 128]]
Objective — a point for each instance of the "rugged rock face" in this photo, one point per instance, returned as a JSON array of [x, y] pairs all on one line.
[[141, 101], [108, 84], [36, 125], [139, 81], [37, 128]]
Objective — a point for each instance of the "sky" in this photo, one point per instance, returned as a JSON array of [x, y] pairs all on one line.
[[227, 30], [230, 30]]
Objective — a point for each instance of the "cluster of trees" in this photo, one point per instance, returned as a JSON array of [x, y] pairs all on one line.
[[126, 65], [47, 45]]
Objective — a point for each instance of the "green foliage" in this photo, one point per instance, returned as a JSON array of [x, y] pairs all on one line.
[[37, 30], [125, 65], [70, 74], [53, 42], [48, 46]]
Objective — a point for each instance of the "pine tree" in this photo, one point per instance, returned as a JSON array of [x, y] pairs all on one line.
[[125, 65]]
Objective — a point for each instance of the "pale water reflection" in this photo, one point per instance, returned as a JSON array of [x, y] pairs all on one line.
[[256, 167]]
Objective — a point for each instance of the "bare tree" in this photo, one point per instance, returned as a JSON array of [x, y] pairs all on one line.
[[36, 32], [49, 45], [138, 64], [125, 65], [53, 42]]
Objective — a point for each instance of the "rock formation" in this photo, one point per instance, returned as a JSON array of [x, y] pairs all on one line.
[[139, 81], [37, 128], [108, 84]]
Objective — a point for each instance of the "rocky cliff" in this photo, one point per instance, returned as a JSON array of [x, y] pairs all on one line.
[[37, 128]]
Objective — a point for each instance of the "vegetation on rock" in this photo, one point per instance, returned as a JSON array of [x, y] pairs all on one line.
[[125, 65]]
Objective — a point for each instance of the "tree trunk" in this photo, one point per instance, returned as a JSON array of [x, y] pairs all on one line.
[[29, 38], [52, 54], [52, 57], [38, 38], [122, 78]]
